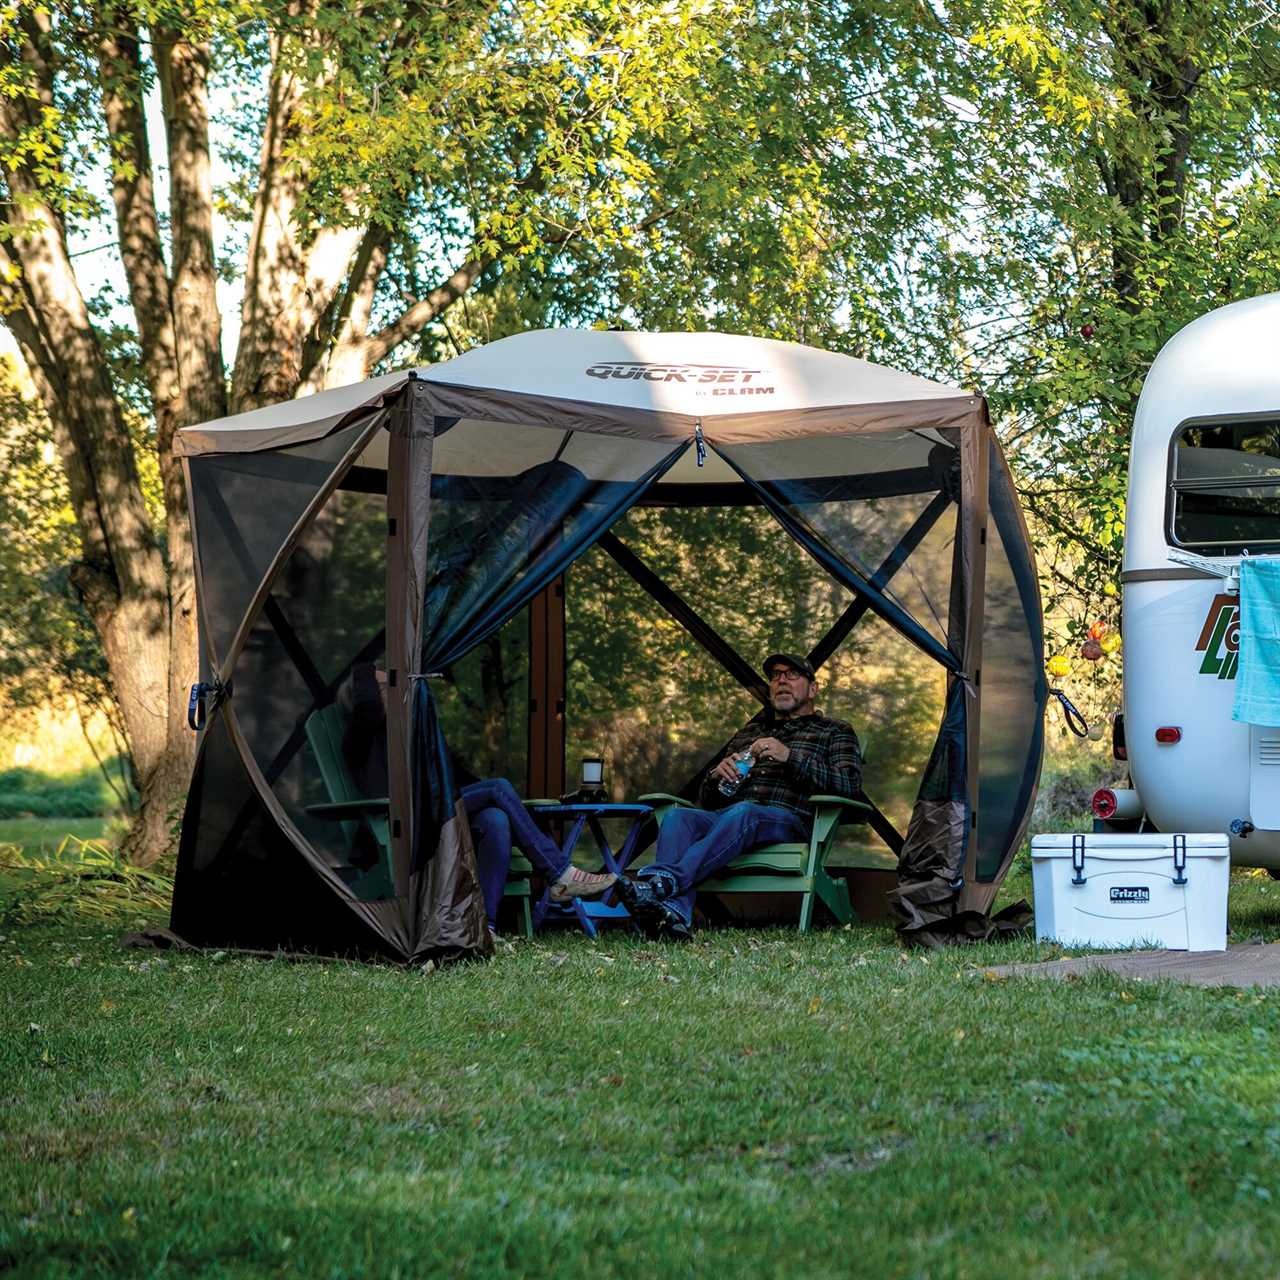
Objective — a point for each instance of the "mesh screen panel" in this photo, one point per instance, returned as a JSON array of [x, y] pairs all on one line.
[[484, 705], [243, 507], [325, 610], [240, 881], [860, 497], [640, 691], [1013, 684], [644, 694], [509, 506]]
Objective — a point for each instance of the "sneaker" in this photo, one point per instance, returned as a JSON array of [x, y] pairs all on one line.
[[654, 916], [576, 883]]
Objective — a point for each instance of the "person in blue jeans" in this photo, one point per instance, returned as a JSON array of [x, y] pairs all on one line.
[[495, 814], [499, 821], [794, 754]]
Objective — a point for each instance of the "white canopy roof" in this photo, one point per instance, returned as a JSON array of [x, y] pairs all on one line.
[[647, 385]]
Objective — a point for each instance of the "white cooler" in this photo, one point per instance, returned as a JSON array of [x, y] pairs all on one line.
[[1132, 890]]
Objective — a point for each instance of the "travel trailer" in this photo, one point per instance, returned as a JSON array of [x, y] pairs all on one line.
[[1204, 491]]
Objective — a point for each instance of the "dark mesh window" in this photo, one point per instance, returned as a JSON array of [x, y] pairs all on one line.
[[326, 610], [883, 504], [1226, 487], [510, 505], [243, 507], [641, 692], [645, 695], [1013, 686], [484, 704], [241, 882]]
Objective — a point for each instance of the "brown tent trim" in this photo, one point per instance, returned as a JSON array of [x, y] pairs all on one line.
[[562, 414], [974, 534]]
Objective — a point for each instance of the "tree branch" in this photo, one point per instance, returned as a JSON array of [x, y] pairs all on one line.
[[422, 312], [426, 309], [184, 72], [133, 192]]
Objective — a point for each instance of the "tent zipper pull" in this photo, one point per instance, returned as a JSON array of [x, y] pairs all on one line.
[[698, 443]]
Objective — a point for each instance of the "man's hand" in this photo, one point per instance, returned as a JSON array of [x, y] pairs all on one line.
[[725, 771], [771, 749]]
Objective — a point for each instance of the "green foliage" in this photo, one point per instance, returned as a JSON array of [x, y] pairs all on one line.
[[1122, 182], [1026, 196], [83, 879], [47, 643], [87, 794]]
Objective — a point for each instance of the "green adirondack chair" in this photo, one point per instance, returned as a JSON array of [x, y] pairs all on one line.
[[785, 868], [324, 734]]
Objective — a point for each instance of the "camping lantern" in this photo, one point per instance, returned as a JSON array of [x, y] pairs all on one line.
[[592, 779]]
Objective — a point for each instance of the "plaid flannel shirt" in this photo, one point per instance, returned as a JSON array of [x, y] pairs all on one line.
[[825, 760]]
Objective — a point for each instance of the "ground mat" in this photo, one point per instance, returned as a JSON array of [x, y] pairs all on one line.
[[1246, 964]]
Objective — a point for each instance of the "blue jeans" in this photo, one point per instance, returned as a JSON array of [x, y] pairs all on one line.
[[694, 843], [498, 821]]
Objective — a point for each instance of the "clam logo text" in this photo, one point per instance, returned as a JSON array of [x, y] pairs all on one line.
[[1220, 639], [708, 379]]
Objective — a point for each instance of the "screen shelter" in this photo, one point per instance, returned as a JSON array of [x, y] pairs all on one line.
[[405, 520]]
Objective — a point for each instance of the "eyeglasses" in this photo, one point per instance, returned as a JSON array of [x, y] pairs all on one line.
[[786, 673]]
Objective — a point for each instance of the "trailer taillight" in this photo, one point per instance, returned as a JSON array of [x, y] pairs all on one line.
[[1168, 733], [1104, 803], [1118, 749]]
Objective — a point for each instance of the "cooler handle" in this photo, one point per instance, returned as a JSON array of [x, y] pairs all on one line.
[[1077, 859]]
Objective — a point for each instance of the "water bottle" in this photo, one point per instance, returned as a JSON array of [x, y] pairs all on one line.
[[742, 762]]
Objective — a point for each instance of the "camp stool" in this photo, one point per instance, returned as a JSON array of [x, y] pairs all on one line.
[[785, 868], [324, 732]]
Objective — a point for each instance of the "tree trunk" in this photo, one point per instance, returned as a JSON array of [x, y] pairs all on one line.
[[121, 577], [141, 601]]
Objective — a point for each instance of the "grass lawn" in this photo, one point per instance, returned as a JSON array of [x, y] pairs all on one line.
[[42, 836], [753, 1104]]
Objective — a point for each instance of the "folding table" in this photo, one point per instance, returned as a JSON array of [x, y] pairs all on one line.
[[592, 817]]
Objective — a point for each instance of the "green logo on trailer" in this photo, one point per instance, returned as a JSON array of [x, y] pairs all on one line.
[[1220, 639]]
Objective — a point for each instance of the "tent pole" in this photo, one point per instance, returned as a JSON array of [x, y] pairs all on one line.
[[894, 561], [409, 448], [685, 614], [974, 473], [547, 655]]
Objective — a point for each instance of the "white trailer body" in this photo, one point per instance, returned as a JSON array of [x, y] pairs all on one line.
[[1204, 479]]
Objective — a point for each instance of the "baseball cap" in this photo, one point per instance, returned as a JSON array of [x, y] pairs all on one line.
[[803, 665]]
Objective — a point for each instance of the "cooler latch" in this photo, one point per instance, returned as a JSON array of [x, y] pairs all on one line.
[[1077, 859], [1179, 859]]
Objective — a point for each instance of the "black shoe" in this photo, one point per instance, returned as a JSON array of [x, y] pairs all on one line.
[[653, 915], [672, 925]]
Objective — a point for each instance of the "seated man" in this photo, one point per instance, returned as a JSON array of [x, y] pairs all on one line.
[[795, 752], [497, 818]]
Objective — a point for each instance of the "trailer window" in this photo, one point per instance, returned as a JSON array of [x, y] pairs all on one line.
[[1226, 487]]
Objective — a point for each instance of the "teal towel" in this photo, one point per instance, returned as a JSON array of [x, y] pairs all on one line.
[[1258, 681]]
